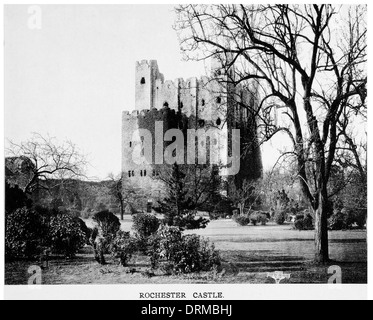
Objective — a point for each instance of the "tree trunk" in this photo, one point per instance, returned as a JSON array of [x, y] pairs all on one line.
[[121, 210], [321, 230]]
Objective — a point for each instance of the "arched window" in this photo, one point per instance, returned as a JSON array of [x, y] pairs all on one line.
[[165, 104], [218, 121], [142, 81]]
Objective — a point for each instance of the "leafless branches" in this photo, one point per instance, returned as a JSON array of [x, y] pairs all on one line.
[[50, 160]]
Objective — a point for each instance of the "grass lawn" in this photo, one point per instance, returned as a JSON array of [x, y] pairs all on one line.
[[248, 254]]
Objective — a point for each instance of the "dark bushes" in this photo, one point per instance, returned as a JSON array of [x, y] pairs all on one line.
[[30, 231], [243, 220], [183, 253], [67, 234], [303, 222]]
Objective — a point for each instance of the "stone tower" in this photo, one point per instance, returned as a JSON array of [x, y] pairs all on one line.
[[204, 103]]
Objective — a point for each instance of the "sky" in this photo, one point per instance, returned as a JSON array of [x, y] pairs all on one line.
[[72, 77]]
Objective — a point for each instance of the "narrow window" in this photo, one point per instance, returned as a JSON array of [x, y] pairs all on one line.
[[133, 173], [140, 172], [181, 105], [203, 102], [144, 173], [218, 100], [142, 80], [218, 121], [130, 144], [129, 174]]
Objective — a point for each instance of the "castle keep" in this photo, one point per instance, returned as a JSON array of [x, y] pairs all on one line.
[[193, 103]]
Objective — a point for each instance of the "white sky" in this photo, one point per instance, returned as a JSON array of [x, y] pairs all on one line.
[[72, 78]]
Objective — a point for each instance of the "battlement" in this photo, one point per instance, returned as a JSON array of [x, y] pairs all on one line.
[[134, 115]]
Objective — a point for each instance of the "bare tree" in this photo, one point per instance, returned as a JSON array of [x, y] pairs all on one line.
[[308, 63], [46, 159]]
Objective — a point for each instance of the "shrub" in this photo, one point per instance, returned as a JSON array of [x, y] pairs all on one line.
[[303, 222], [280, 217], [25, 232], [145, 224], [360, 218], [108, 223], [339, 221], [123, 246], [183, 254], [191, 222], [258, 217], [308, 222], [15, 198], [241, 220], [67, 234], [197, 255]]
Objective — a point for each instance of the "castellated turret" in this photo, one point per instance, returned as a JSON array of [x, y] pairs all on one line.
[[201, 103]]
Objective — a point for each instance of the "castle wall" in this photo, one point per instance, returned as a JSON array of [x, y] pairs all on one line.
[[191, 103]]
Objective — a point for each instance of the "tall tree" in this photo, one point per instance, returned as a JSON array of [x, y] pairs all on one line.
[[42, 159], [184, 196], [307, 61]]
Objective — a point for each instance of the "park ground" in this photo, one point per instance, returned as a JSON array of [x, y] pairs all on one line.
[[249, 253]]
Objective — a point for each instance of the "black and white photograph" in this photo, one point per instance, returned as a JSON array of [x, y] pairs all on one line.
[[190, 144]]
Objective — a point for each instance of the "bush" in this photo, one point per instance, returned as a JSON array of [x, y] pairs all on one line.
[[15, 198], [303, 222], [242, 220], [25, 233], [145, 224], [123, 247], [197, 255], [183, 254], [308, 222], [67, 234], [339, 221], [280, 217], [258, 217], [108, 223]]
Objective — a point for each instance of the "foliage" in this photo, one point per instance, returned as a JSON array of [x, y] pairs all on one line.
[[145, 224], [242, 220], [234, 34], [178, 207], [303, 222], [123, 247], [67, 234], [338, 222], [258, 217], [108, 223], [183, 253], [15, 198], [280, 217], [24, 233]]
